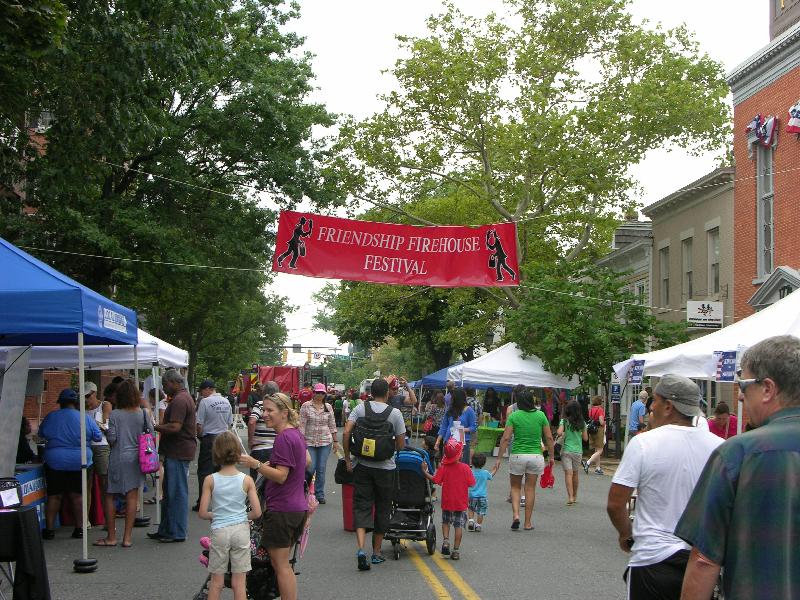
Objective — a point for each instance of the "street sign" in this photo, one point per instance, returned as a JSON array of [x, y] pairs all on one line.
[[704, 315], [616, 393]]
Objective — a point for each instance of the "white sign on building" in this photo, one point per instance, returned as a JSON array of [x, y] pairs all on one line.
[[704, 315]]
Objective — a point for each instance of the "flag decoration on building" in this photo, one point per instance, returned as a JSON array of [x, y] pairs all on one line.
[[793, 126], [764, 129]]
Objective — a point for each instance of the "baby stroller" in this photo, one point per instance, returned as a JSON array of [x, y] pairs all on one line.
[[412, 509], [262, 583]]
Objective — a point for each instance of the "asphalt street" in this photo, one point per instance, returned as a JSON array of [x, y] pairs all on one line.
[[572, 553]]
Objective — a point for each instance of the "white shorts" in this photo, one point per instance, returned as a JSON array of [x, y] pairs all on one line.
[[522, 464], [231, 543]]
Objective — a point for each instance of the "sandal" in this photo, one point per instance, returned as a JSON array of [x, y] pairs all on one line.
[[515, 525], [103, 543], [454, 555], [150, 501], [128, 545]]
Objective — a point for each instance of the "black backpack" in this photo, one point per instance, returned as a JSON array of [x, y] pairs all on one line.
[[592, 427], [372, 437]]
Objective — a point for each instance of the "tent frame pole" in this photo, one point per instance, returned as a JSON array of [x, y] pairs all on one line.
[[157, 416], [83, 564]]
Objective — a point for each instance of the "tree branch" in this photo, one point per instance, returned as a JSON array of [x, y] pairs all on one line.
[[444, 176], [584, 238], [512, 298], [396, 210]]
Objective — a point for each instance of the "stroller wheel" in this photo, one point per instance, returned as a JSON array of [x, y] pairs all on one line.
[[396, 550], [430, 539]]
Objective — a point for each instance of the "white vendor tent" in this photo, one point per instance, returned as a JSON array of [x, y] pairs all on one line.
[[696, 357], [150, 350], [506, 366]]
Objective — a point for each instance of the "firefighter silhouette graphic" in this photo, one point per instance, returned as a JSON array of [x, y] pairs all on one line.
[[497, 260], [296, 247]]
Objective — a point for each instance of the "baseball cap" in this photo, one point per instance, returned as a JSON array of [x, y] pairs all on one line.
[[320, 388], [207, 383], [89, 388], [68, 396], [682, 392]]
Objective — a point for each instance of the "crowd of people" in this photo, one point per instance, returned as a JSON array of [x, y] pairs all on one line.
[[702, 493]]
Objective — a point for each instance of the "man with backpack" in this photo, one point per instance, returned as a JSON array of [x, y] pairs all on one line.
[[373, 433]]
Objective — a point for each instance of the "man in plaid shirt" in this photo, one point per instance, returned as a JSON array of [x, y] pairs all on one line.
[[744, 514]]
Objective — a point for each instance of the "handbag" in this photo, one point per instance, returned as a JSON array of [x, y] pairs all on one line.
[[427, 425], [148, 456], [341, 475]]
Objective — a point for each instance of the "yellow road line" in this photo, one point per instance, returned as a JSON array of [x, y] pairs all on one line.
[[439, 590], [456, 579]]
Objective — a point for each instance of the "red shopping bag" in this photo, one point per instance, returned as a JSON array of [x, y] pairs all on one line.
[[547, 480]]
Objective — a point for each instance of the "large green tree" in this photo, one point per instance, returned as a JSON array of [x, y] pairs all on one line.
[[176, 125], [537, 118], [582, 319]]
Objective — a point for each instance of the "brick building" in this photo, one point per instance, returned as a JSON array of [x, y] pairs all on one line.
[[767, 189]]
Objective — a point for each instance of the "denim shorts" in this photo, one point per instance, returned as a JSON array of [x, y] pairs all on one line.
[[479, 505], [456, 518]]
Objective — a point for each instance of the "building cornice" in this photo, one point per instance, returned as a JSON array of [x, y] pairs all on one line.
[[765, 66], [639, 246], [719, 178]]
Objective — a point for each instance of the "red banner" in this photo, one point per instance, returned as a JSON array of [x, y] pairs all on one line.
[[440, 256]]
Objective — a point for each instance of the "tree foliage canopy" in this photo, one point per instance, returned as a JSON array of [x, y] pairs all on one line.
[[581, 319], [536, 118], [174, 123]]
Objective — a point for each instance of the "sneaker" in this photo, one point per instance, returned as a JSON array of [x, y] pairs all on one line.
[[471, 525], [77, 533], [378, 559], [478, 527], [363, 563], [585, 466], [599, 471], [455, 555], [48, 534], [446, 549]]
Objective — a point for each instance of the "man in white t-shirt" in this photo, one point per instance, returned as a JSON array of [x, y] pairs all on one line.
[[664, 464]]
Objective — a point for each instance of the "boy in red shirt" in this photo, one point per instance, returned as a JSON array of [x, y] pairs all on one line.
[[455, 478]]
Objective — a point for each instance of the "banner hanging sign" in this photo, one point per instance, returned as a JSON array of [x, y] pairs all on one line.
[[438, 256]]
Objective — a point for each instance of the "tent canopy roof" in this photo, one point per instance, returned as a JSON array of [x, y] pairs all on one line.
[[696, 359], [150, 350], [505, 366], [40, 306]]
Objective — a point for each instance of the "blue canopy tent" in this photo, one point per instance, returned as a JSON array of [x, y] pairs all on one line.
[[41, 306], [438, 379]]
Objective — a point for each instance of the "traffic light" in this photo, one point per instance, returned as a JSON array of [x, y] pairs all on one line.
[[284, 356], [308, 356]]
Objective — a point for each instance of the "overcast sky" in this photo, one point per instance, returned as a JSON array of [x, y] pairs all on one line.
[[353, 41]]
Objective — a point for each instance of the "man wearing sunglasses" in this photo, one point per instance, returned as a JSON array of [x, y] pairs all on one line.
[[664, 464], [744, 512]]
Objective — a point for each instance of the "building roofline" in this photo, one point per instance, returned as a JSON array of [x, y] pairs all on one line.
[[646, 241], [718, 176], [760, 57]]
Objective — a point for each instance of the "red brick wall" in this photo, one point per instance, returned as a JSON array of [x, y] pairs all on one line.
[[775, 99], [55, 381]]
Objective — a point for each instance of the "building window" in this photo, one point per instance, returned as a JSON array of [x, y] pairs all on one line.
[[663, 261], [713, 260], [641, 293], [40, 122], [687, 289], [784, 291], [765, 194]]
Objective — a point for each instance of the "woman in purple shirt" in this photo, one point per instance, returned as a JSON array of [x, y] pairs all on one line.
[[284, 493]]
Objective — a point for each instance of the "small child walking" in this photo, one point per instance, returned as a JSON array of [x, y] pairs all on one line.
[[455, 478], [478, 503], [226, 493]]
